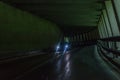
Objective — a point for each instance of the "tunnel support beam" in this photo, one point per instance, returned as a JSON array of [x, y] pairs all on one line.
[[112, 18]]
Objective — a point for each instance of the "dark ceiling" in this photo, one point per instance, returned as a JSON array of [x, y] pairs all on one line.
[[70, 15]]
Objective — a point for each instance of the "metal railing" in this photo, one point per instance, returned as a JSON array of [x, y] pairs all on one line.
[[111, 53]]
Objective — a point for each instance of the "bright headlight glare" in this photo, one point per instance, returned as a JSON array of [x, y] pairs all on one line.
[[66, 46]]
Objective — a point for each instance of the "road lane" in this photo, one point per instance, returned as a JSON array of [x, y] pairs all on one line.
[[13, 68], [81, 65]]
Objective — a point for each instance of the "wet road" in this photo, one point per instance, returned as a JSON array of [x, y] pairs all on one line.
[[79, 65]]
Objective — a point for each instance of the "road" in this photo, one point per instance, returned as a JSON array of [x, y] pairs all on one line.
[[76, 65]]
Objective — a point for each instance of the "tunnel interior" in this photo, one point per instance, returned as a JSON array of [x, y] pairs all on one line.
[[59, 39], [32, 23]]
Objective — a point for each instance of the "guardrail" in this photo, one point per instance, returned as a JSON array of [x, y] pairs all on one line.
[[111, 54], [109, 50], [20, 55], [115, 39]]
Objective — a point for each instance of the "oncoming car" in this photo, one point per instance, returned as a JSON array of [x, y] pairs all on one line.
[[62, 48]]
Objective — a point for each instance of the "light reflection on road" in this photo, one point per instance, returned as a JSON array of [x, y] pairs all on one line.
[[71, 67], [63, 67]]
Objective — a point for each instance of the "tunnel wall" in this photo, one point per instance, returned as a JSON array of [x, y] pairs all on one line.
[[109, 25], [21, 31]]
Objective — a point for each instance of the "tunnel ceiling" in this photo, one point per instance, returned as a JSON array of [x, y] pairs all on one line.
[[70, 15]]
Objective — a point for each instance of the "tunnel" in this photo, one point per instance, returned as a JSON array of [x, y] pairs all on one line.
[[59, 40]]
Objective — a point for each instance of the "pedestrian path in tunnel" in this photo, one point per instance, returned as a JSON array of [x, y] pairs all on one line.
[[75, 65]]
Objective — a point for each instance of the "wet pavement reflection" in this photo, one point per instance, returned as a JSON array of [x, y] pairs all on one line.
[[65, 70], [79, 66], [59, 69]]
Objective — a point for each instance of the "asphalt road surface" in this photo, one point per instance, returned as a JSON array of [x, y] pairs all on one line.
[[76, 65]]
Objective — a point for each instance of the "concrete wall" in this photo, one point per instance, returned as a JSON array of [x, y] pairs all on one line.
[[20, 30], [112, 18]]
